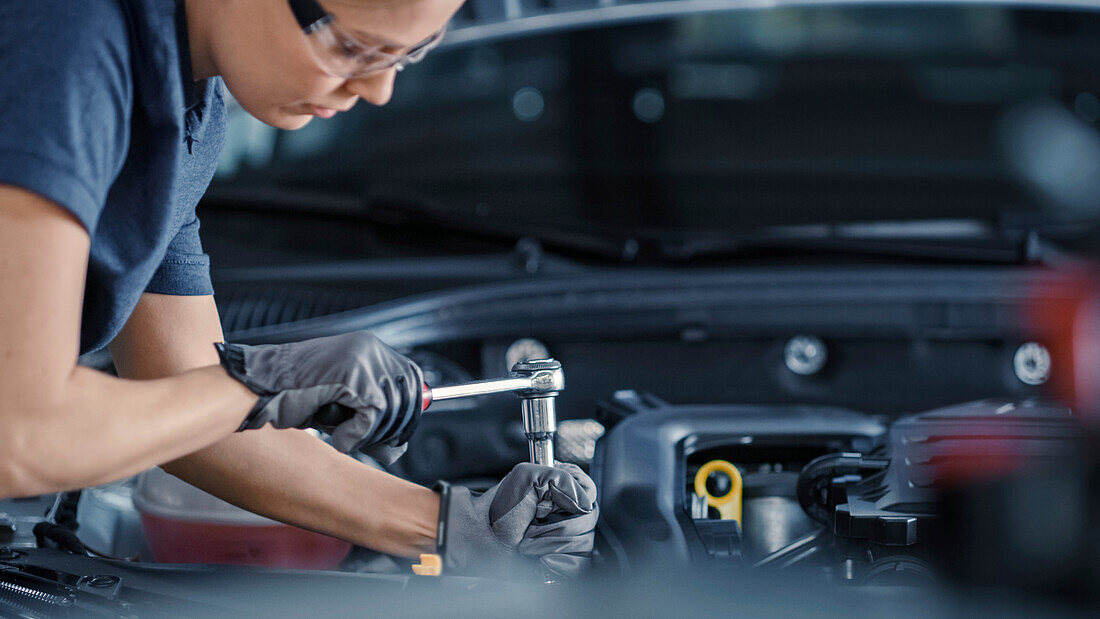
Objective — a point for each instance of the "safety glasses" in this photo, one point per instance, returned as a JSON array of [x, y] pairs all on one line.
[[343, 54]]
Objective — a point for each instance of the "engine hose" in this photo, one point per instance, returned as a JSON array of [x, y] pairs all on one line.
[[62, 530], [818, 475], [65, 538], [65, 515]]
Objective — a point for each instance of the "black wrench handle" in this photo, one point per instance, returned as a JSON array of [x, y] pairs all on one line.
[[331, 415]]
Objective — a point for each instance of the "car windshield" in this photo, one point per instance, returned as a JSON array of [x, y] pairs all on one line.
[[710, 122]]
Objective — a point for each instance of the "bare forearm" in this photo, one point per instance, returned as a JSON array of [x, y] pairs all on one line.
[[93, 428], [290, 476], [286, 475]]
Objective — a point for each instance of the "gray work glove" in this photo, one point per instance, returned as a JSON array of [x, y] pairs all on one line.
[[535, 512], [381, 388]]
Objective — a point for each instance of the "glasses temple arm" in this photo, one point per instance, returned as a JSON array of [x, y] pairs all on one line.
[[307, 12]]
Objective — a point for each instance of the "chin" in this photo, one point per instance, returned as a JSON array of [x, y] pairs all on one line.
[[290, 122], [280, 118]]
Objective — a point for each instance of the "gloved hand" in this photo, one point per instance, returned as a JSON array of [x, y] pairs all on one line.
[[534, 512], [356, 370]]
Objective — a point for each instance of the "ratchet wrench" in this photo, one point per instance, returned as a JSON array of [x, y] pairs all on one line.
[[536, 382]]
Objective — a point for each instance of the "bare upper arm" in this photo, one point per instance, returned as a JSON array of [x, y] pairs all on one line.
[[43, 264], [43, 261], [67, 427], [167, 335]]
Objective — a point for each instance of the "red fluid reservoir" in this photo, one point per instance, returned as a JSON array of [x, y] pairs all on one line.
[[186, 525]]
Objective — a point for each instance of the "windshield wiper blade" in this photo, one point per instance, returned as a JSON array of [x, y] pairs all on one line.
[[594, 243], [392, 211], [923, 240], [995, 251]]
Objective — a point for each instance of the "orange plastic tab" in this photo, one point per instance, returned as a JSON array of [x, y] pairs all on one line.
[[430, 565]]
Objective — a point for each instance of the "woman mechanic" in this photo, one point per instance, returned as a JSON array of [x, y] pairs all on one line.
[[113, 120]]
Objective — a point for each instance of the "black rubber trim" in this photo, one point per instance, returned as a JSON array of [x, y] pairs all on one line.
[[960, 302], [444, 490]]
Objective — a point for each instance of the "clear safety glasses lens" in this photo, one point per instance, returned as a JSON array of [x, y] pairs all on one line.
[[342, 54]]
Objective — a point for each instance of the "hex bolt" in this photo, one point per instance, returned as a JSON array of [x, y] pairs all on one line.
[[102, 581], [805, 355], [1032, 363]]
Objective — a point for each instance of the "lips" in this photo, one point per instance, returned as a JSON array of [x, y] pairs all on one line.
[[322, 112]]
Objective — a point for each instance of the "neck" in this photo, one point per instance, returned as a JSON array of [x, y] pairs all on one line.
[[202, 61]]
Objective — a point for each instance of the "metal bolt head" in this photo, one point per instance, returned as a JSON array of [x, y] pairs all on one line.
[[805, 355], [102, 581], [1032, 363]]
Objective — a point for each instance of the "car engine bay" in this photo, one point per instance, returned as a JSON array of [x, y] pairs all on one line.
[[808, 270], [732, 427]]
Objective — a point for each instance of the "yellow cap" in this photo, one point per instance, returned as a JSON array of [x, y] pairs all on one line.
[[728, 505]]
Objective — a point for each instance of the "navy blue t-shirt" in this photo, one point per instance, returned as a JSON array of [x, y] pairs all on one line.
[[99, 113]]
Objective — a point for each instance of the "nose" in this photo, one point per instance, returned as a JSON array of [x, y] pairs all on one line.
[[375, 88]]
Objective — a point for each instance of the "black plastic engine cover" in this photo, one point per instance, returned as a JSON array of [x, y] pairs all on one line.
[[945, 447], [640, 464]]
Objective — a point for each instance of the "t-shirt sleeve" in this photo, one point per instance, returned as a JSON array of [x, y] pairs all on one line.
[[65, 101], [185, 270]]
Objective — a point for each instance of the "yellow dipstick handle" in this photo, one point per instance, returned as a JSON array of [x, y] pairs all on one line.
[[430, 565], [729, 504]]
